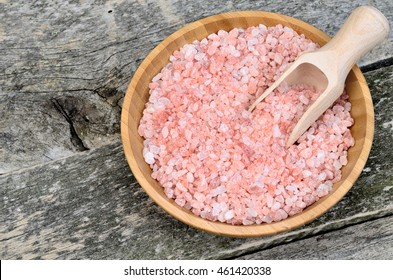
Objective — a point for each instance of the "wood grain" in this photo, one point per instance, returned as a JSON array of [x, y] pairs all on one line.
[[373, 240]]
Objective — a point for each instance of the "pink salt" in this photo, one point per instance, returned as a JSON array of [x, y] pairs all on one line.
[[223, 163]]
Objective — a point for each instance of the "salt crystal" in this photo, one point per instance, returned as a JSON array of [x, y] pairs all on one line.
[[168, 192], [190, 177], [171, 162], [304, 99], [246, 114], [301, 204], [223, 127], [163, 101], [217, 191], [236, 53], [322, 176], [322, 190], [221, 218], [216, 209], [306, 153], [229, 215], [224, 179], [292, 188], [246, 140], [281, 215], [182, 124], [276, 205], [343, 160], [269, 200], [189, 51], [255, 32], [263, 29], [201, 156], [265, 170], [276, 131], [251, 212], [254, 72], [213, 156], [165, 132], [156, 78], [337, 165], [174, 133], [149, 158], [154, 149], [181, 187], [247, 222], [278, 58], [321, 156], [180, 201], [188, 134], [244, 71], [277, 116], [169, 169], [148, 133], [267, 219]]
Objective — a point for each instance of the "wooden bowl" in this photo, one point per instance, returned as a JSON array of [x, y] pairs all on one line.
[[137, 95]]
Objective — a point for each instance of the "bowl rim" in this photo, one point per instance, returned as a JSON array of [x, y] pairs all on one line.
[[313, 211]]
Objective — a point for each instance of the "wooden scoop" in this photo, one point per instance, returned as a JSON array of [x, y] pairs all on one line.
[[327, 68]]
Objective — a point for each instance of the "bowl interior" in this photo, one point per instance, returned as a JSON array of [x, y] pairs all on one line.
[[138, 94]]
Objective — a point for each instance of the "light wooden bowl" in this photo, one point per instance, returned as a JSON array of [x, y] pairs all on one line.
[[137, 95]]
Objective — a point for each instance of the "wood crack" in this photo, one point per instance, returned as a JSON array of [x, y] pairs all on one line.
[[75, 139]]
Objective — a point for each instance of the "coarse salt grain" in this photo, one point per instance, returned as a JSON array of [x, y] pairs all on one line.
[[220, 161], [149, 157]]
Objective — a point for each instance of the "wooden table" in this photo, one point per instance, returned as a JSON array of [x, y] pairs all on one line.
[[66, 189]]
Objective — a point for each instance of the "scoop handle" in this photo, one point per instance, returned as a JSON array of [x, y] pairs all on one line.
[[365, 28]]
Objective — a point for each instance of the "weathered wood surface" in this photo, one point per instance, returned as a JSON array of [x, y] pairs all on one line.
[[374, 240], [66, 189]]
